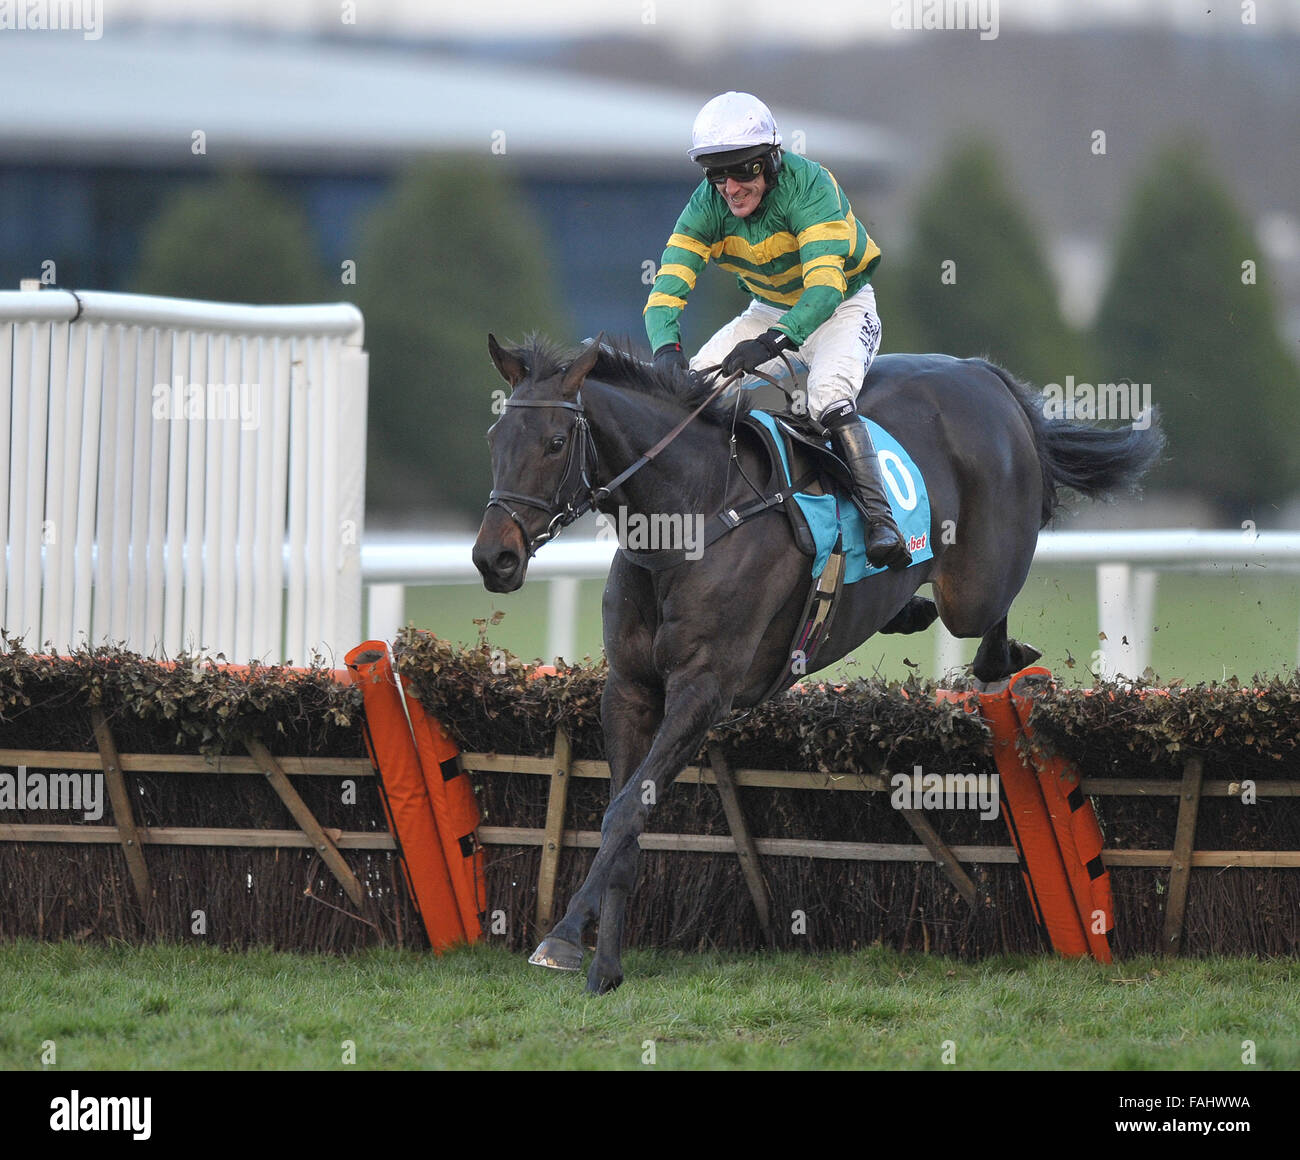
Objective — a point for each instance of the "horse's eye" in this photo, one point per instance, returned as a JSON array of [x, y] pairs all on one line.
[[556, 444]]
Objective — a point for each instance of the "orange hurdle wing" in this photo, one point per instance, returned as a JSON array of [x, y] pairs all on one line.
[[455, 811], [1078, 834], [406, 800], [1031, 830]]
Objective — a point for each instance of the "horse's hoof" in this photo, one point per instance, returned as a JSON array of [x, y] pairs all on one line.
[[1023, 655], [603, 984], [557, 954]]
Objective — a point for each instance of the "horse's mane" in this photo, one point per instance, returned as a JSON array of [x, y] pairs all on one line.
[[620, 366]]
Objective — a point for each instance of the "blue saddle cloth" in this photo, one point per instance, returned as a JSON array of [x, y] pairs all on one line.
[[836, 516]]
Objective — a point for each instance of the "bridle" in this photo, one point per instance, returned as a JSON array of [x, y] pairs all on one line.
[[576, 495]]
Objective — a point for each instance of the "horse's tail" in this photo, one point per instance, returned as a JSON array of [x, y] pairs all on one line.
[[1096, 461]]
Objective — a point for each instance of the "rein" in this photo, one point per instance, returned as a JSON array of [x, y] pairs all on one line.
[[575, 495]]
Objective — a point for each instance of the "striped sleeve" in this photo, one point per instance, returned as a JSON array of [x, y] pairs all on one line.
[[686, 254], [827, 235]]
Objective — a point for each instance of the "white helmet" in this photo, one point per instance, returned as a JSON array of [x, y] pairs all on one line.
[[733, 122]]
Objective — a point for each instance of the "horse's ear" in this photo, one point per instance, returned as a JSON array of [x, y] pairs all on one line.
[[581, 366], [510, 365]]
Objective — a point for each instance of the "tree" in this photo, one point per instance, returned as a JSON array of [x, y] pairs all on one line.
[[974, 280], [234, 239], [450, 255], [1188, 310]]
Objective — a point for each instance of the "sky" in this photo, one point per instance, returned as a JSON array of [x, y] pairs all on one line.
[[712, 23]]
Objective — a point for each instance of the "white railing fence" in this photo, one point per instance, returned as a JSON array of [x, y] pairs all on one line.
[[181, 475], [190, 476], [1127, 564]]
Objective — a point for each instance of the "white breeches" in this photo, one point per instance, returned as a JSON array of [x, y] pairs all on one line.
[[837, 353]]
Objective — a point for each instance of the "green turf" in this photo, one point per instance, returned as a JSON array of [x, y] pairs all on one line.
[[195, 1007], [1207, 625]]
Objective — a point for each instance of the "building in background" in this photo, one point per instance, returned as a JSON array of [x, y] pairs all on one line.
[[94, 136]]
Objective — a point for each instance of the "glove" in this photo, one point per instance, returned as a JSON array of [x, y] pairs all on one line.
[[751, 354], [670, 357]]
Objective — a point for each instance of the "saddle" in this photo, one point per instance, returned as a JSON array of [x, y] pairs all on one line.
[[798, 462]]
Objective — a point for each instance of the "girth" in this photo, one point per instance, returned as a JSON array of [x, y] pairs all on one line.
[[732, 516], [727, 520]]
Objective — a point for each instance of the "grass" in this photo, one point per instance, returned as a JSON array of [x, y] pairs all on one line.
[[179, 1008], [190, 1007], [1208, 626]]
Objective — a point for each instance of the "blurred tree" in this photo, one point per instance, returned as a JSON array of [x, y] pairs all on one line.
[[1188, 309], [974, 280], [451, 254], [235, 239]]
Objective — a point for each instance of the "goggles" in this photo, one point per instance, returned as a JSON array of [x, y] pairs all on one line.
[[742, 171]]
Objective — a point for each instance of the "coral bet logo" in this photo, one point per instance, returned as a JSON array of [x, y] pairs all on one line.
[[916, 543]]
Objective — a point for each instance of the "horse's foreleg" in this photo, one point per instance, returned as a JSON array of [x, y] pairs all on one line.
[[915, 616], [630, 716], [692, 704]]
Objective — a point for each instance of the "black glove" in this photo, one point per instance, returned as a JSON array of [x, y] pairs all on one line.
[[670, 357], [751, 354]]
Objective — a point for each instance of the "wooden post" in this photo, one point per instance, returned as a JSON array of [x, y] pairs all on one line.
[[1189, 800], [944, 857], [552, 840], [123, 815], [328, 851], [746, 851]]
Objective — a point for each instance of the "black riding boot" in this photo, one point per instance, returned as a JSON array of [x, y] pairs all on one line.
[[885, 544]]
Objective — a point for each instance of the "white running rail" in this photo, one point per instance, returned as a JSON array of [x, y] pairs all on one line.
[[1126, 564], [181, 474]]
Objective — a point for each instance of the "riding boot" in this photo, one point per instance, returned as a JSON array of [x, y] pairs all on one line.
[[885, 544]]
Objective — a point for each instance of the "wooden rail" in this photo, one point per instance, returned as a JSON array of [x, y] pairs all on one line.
[[507, 763], [561, 768]]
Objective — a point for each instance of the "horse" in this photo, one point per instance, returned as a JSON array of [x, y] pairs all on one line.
[[687, 644]]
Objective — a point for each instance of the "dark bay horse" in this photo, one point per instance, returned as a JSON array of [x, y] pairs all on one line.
[[688, 644]]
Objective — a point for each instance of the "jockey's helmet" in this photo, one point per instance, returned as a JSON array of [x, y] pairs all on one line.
[[733, 131]]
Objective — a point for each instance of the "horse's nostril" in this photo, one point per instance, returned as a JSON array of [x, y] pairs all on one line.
[[506, 562]]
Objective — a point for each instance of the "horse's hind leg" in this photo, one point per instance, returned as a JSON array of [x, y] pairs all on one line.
[[981, 574], [985, 616], [973, 601], [999, 656]]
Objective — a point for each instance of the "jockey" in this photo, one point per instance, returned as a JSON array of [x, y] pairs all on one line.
[[782, 225]]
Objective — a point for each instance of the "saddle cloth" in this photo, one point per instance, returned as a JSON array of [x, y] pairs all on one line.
[[834, 516]]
